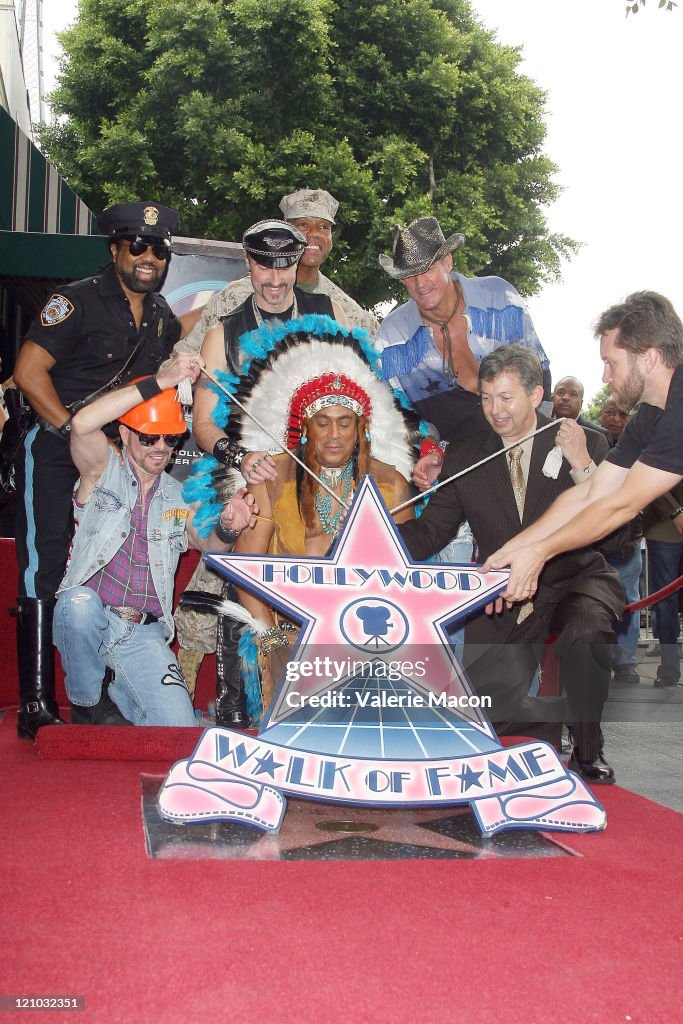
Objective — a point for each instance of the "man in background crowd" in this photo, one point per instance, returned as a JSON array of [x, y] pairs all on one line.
[[613, 417], [567, 401]]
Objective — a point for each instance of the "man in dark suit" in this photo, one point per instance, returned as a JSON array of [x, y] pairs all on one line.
[[579, 595]]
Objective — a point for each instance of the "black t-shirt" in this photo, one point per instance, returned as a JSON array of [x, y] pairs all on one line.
[[654, 436], [89, 330]]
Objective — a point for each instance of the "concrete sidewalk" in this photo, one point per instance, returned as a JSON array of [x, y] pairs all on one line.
[[643, 729]]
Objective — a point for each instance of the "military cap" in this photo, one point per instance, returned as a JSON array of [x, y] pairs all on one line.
[[146, 219], [274, 243], [309, 202]]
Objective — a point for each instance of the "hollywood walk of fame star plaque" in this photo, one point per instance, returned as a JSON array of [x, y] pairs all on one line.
[[374, 707]]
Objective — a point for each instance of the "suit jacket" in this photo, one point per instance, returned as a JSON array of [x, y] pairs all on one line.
[[486, 500]]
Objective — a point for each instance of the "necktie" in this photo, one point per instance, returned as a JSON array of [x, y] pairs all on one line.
[[517, 477], [519, 491]]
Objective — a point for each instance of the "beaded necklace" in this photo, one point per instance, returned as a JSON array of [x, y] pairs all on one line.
[[323, 500]]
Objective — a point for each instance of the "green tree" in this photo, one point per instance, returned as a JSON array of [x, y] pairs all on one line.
[[400, 108], [593, 409]]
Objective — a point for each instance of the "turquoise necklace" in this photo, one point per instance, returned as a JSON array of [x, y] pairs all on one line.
[[323, 501]]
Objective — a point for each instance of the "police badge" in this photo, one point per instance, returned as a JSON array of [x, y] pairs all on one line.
[[56, 310]]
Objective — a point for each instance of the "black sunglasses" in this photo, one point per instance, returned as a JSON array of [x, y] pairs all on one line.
[[136, 247], [149, 440]]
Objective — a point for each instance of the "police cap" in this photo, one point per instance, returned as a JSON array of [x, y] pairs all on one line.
[[147, 219]]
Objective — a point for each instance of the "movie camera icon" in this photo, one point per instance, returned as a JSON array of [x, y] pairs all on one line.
[[373, 624]]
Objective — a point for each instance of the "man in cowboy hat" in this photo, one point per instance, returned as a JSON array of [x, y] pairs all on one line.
[[311, 212], [433, 343], [114, 606], [90, 335]]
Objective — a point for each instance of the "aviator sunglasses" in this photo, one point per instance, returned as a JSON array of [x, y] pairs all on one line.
[[149, 440], [136, 247]]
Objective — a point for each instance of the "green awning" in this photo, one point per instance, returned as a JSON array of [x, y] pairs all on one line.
[[33, 196], [63, 257]]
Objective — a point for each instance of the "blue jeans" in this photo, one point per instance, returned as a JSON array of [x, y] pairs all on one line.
[[627, 630], [149, 688], [663, 561]]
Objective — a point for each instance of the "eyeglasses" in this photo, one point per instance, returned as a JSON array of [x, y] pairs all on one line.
[[136, 247], [149, 440]]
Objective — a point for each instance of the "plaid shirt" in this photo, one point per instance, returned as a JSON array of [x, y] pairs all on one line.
[[127, 580]]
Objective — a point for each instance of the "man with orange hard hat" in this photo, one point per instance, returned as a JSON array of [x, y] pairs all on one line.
[[114, 605]]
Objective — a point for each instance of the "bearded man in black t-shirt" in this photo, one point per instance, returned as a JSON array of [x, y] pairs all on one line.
[[641, 346]]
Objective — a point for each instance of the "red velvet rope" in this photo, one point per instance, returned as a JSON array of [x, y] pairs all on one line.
[[659, 595]]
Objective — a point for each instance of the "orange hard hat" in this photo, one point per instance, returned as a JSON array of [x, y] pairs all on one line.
[[162, 414]]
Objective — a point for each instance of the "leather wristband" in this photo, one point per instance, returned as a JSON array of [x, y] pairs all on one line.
[[148, 388], [63, 431], [225, 536], [676, 512], [228, 452]]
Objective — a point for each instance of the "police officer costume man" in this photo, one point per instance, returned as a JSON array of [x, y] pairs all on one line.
[[92, 334]]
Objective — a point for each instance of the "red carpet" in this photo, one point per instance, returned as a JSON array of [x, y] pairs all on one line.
[[116, 743], [130, 743], [592, 938]]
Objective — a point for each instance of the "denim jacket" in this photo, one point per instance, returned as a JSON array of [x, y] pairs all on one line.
[[103, 524]]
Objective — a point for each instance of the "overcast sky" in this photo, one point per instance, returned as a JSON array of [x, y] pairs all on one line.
[[614, 87]]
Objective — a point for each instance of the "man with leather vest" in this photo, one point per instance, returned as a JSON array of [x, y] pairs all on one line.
[[92, 334], [272, 249], [311, 211]]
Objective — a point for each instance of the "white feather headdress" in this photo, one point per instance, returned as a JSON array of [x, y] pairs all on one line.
[[297, 364]]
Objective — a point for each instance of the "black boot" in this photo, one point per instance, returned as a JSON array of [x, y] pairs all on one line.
[[105, 712], [231, 709], [35, 658]]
